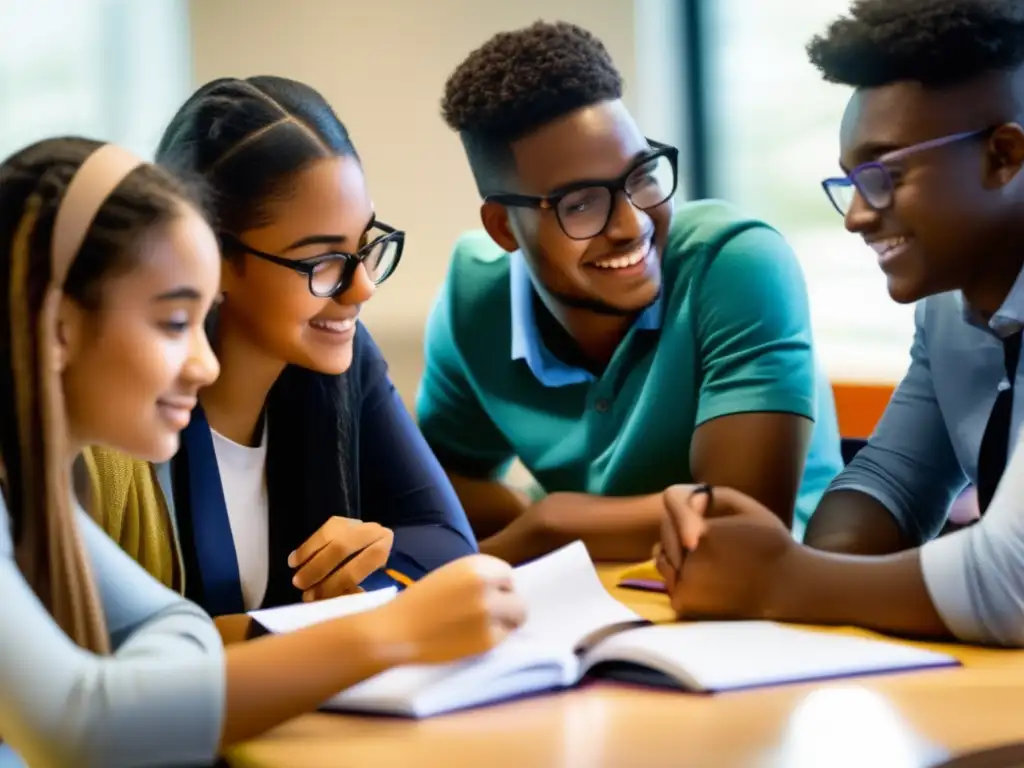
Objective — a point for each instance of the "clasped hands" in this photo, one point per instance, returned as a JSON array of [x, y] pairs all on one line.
[[337, 558], [722, 554]]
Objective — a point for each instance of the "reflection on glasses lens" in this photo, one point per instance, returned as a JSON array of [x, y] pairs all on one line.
[[584, 213], [841, 195], [378, 260], [327, 276], [652, 183], [872, 182]]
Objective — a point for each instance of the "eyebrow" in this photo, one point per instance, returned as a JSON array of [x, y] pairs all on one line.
[[177, 294], [574, 185], [327, 239]]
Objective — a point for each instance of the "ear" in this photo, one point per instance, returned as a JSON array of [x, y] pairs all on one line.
[[69, 335], [494, 217], [1006, 153]]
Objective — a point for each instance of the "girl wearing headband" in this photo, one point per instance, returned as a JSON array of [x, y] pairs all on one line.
[[107, 273], [302, 475]]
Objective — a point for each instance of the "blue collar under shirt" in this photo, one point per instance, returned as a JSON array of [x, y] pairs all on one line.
[[527, 344]]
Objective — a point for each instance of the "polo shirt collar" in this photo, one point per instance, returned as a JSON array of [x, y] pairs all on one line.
[[526, 341]]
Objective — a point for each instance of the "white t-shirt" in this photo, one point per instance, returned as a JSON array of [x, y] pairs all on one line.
[[243, 477], [976, 576]]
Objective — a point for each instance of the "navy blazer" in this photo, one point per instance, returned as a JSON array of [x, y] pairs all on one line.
[[393, 479]]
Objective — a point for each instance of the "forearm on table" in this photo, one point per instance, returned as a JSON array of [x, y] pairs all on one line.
[[278, 677], [887, 594], [490, 504], [854, 523], [613, 528]]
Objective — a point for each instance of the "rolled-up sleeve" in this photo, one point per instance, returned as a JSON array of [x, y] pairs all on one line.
[[909, 465], [976, 576], [157, 700]]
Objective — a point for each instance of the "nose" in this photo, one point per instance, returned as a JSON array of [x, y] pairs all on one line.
[[860, 217], [627, 222], [361, 289], [202, 367]]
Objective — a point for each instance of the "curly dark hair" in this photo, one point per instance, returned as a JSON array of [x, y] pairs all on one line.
[[518, 81], [938, 43]]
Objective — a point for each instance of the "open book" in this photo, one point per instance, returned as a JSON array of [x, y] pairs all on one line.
[[575, 628]]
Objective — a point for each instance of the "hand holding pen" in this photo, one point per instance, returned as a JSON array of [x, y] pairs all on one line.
[[721, 553]]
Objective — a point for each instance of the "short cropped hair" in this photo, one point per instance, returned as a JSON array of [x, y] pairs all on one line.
[[519, 81], [938, 43]]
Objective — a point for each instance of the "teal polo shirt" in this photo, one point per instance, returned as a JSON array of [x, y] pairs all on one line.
[[729, 334]]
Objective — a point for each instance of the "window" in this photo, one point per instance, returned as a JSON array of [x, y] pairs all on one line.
[[774, 127], [106, 69]]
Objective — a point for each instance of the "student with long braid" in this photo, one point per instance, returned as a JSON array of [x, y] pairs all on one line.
[[107, 270]]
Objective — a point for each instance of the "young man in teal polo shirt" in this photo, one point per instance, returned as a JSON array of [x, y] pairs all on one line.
[[613, 346]]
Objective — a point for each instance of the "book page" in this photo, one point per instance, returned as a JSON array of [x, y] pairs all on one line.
[[565, 602], [565, 599], [725, 655], [289, 618]]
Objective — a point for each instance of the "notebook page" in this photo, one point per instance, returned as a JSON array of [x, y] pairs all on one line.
[[719, 656], [565, 599], [565, 602], [288, 618]]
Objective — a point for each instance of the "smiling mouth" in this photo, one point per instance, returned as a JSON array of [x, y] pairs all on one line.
[[177, 411], [625, 260], [890, 248], [333, 326]]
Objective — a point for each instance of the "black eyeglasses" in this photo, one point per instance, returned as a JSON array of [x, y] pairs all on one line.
[[330, 274], [584, 209]]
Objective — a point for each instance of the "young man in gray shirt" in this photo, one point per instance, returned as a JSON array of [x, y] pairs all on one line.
[[931, 153]]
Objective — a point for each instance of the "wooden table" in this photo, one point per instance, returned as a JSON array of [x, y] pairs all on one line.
[[912, 719]]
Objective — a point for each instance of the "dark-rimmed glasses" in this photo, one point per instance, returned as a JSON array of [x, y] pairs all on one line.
[[873, 181], [584, 209], [330, 274]]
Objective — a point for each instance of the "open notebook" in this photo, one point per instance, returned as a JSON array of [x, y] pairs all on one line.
[[575, 628]]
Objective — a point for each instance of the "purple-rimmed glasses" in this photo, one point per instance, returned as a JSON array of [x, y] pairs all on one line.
[[873, 181]]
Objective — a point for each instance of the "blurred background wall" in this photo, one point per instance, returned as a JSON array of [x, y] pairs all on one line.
[[726, 80]]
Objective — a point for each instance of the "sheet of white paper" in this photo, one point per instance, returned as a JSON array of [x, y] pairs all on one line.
[[288, 618], [565, 599]]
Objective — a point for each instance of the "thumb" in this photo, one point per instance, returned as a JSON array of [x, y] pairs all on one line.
[[690, 516]]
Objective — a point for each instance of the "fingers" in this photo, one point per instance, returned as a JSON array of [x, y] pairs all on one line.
[[669, 574], [345, 579], [690, 518], [338, 550], [683, 524], [507, 610], [311, 546], [494, 572], [328, 531], [671, 536]]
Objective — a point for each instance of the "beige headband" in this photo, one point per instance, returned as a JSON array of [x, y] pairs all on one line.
[[92, 184]]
